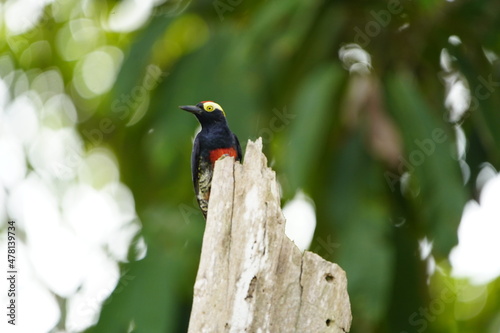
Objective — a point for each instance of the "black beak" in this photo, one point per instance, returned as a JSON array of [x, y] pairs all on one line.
[[191, 108]]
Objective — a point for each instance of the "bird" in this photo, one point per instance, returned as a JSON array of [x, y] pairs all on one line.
[[214, 141]]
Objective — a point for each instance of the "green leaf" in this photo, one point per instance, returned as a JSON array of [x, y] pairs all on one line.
[[360, 220], [429, 147], [314, 112]]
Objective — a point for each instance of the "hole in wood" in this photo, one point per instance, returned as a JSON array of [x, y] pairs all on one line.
[[328, 322], [251, 288], [329, 277]]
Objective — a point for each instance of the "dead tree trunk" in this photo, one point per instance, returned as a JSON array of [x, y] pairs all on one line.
[[251, 277]]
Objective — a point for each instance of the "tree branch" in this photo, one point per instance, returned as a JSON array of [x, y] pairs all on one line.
[[251, 277]]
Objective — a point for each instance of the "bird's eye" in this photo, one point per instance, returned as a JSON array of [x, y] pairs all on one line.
[[212, 106]]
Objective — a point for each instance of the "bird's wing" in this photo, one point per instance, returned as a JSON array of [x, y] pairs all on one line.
[[195, 163], [238, 148]]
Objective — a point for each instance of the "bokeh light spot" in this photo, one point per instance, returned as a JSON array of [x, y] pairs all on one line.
[[300, 220]]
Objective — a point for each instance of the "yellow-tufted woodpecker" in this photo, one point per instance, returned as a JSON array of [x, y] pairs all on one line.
[[214, 141]]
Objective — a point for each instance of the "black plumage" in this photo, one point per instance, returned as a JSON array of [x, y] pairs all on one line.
[[214, 141]]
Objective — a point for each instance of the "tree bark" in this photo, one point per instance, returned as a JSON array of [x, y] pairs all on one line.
[[251, 277]]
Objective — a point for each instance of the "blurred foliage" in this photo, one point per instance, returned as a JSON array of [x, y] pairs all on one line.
[[340, 121]]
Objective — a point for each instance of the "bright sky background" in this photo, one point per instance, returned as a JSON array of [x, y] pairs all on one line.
[[72, 214], [300, 220]]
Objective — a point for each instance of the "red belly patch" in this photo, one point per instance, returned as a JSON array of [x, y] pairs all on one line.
[[218, 153]]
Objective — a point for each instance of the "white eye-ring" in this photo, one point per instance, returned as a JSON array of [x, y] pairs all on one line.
[[211, 106]]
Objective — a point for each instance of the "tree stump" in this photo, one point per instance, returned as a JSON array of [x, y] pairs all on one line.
[[251, 277]]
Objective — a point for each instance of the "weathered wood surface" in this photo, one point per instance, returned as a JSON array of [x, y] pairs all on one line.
[[251, 277]]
